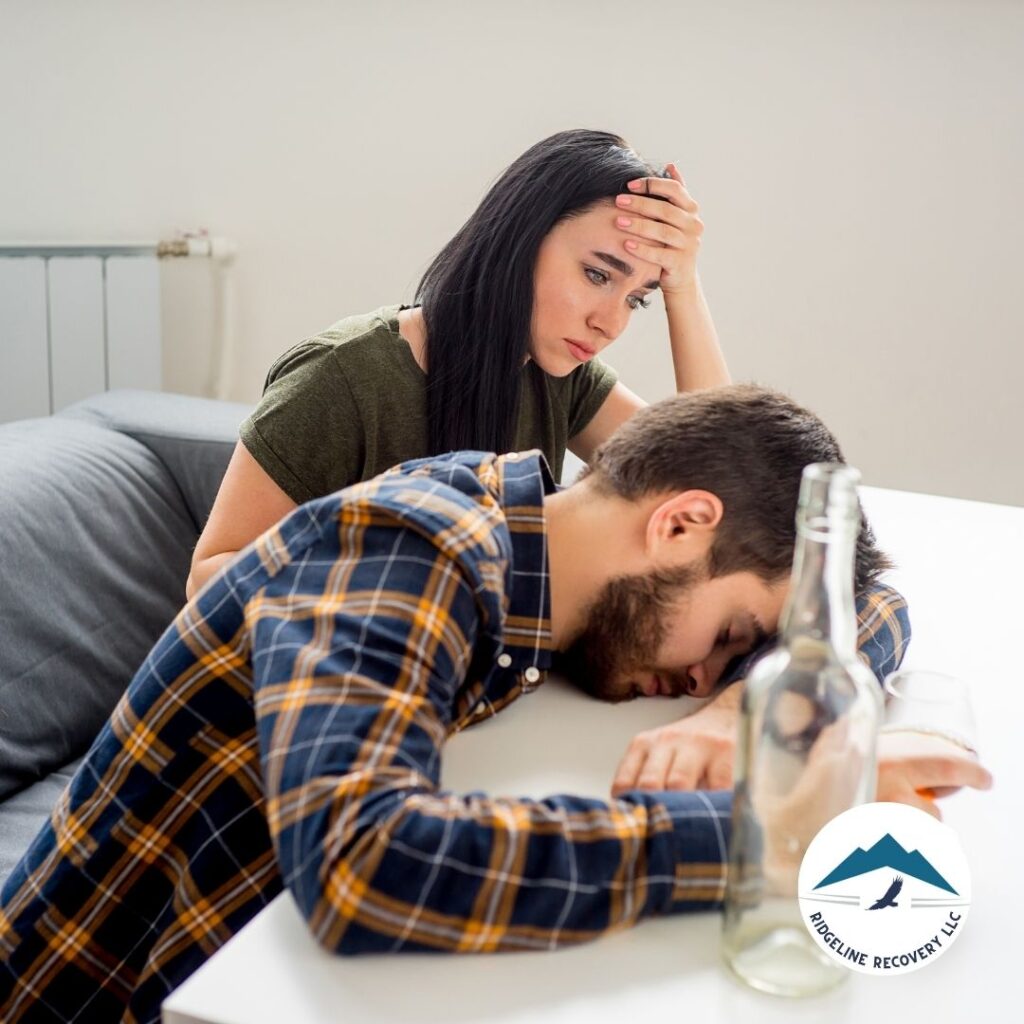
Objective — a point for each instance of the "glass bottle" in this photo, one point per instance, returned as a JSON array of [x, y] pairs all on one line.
[[805, 752]]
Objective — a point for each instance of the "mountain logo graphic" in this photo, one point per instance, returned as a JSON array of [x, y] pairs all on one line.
[[883, 888], [886, 853]]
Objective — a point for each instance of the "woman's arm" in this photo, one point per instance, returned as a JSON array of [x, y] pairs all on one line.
[[696, 355], [620, 404], [247, 503]]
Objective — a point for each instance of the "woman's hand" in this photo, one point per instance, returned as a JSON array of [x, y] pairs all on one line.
[[664, 231]]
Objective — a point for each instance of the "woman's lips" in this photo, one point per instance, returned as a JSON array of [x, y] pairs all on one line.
[[580, 352]]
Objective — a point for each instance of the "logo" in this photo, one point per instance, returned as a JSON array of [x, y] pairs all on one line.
[[884, 888]]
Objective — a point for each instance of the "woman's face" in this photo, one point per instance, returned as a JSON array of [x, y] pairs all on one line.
[[586, 285]]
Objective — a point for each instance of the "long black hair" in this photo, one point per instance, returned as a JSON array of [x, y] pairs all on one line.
[[477, 294]]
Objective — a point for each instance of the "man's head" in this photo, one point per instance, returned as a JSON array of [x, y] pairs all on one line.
[[717, 475]]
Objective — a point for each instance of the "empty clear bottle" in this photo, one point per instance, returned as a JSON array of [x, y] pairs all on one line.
[[806, 746]]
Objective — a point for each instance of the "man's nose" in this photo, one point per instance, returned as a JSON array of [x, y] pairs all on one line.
[[702, 679]]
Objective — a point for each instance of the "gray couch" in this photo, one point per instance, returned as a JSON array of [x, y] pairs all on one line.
[[100, 508]]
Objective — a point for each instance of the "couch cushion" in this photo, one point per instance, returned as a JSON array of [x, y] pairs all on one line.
[[25, 813], [193, 437], [96, 542]]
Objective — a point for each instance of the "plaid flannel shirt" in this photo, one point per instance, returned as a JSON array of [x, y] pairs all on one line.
[[287, 730]]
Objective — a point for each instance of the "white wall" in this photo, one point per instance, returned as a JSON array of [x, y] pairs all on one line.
[[859, 167]]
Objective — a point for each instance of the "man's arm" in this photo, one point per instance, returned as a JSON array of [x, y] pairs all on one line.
[[697, 752], [357, 661]]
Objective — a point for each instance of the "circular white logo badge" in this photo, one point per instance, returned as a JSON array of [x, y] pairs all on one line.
[[884, 888]]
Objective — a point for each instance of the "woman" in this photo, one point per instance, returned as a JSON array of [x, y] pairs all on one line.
[[499, 352]]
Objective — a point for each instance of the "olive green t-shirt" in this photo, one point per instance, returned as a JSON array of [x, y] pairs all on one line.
[[350, 402]]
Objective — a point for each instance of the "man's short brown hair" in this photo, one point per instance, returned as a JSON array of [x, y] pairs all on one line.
[[746, 444]]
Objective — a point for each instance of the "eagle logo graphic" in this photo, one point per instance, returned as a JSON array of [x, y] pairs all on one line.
[[889, 899]]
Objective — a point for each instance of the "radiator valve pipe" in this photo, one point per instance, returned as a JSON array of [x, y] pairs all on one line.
[[223, 250]]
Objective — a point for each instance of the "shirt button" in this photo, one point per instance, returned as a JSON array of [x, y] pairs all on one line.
[[504, 660], [532, 675], [512, 456]]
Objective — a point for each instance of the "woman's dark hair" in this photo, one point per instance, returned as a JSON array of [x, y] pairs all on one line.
[[746, 444], [477, 294]]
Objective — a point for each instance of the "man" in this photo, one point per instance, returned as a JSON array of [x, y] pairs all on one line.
[[288, 727]]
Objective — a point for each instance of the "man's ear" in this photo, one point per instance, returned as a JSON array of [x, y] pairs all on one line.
[[687, 521]]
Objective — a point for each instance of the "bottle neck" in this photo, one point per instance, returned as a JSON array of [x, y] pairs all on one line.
[[820, 604]]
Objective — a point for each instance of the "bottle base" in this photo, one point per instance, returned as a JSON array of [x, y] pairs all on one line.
[[784, 961]]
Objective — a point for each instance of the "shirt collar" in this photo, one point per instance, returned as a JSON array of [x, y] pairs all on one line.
[[524, 478]]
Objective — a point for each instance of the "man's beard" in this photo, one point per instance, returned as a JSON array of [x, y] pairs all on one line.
[[624, 631]]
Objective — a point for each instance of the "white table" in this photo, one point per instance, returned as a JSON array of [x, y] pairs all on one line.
[[961, 565]]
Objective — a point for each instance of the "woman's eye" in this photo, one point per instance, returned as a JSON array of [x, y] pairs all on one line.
[[599, 277], [723, 639]]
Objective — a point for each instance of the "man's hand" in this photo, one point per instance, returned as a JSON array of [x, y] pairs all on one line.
[[914, 768], [697, 752]]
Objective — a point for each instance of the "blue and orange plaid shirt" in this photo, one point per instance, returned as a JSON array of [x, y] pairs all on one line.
[[287, 730]]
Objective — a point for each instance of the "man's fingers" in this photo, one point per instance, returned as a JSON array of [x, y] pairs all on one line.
[[949, 772], [938, 792], [718, 774], [685, 771], [697, 750], [654, 773], [629, 767], [923, 802], [921, 799], [915, 768], [901, 790]]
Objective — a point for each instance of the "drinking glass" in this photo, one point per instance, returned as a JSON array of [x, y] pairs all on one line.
[[934, 703]]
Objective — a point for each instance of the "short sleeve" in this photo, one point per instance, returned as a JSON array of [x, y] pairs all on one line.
[[590, 385], [306, 433]]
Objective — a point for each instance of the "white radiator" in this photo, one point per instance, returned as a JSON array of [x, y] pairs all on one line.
[[74, 320]]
